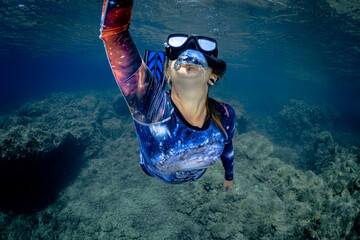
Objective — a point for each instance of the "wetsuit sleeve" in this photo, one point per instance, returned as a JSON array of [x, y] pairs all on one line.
[[142, 92], [227, 157]]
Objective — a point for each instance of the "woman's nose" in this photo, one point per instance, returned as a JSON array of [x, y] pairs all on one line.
[[191, 45]]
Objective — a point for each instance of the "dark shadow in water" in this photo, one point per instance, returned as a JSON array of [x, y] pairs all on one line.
[[31, 183], [120, 107], [242, 125]]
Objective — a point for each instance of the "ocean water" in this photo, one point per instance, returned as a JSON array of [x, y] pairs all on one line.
[[69, 154]]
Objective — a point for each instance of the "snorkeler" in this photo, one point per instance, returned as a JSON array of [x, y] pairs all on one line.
[[181, 132]]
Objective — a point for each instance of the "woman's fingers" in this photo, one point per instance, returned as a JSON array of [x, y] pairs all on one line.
[[227, 187], [226, 190]]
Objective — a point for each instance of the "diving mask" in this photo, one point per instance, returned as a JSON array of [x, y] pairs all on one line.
[[177, 43]]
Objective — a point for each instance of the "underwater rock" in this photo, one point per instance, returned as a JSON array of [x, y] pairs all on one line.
[[301, 121], [112, 128], [254, 146], [31, 176], [324, 152], [111, 198], [355, 231], [346, 8], [306, 130], [44, 144], [272, 199]]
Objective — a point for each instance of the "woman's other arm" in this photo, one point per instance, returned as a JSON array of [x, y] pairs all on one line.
[[227, 159], [227, 156]]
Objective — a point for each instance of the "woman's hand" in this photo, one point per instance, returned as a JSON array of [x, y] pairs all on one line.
[[228, 185]]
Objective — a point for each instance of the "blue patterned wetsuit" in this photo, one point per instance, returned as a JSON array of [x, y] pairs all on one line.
[[170, 148]]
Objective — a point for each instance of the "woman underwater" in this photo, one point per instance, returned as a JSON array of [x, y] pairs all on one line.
[[181, 132]]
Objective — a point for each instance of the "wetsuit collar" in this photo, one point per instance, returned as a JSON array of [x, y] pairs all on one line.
[[204, 127]]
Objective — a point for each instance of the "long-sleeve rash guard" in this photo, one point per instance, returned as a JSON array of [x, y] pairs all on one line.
[[170, 148]]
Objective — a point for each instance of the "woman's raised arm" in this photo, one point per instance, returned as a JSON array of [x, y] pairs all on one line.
[[142, 92]]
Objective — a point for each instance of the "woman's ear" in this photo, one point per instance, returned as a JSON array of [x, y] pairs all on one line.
[[213, 79]]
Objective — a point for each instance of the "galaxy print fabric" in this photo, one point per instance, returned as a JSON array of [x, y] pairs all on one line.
[[173, 152], [169, 150], [146, 101]]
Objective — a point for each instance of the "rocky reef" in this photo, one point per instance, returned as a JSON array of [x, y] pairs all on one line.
[[44, 144], [302, 121], [306, 135], [273, 200], [82, 148], [307, 129]]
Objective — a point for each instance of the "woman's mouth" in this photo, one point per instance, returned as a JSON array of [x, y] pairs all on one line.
[[191, 64], [190, 70]]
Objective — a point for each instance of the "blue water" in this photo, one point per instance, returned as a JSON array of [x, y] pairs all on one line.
[[276, 51], [288, 49], [26, 78]]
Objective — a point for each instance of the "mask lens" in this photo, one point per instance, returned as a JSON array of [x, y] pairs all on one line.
[[177, 41], [207, 45]]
